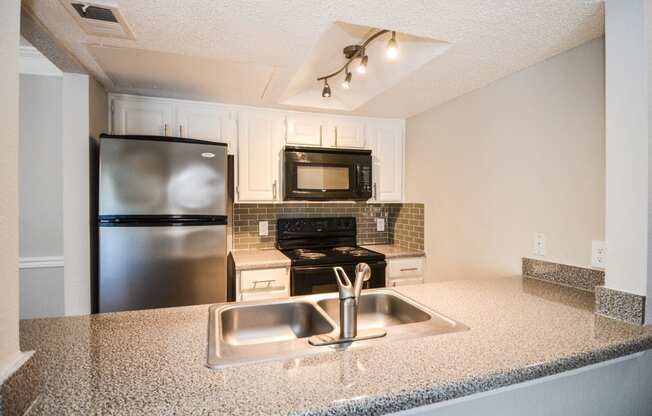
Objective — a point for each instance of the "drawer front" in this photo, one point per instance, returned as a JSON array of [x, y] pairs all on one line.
[[405, 267], [405, 281], [264, 294], [264, 279]]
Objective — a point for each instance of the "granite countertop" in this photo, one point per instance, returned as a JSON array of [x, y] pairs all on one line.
[[392, 251], [259, 259], [153, 362]]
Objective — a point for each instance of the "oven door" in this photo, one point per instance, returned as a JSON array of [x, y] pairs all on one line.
[[315, 174], [309, 280]]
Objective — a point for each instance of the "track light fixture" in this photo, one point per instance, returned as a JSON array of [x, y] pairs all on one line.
[[353, 52], [326, 92]]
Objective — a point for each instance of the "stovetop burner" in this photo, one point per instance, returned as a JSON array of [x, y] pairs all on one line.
[[331, 255], [306, 254], [344, 249], [322, 241]]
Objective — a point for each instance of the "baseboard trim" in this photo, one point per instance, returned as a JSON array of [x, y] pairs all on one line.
[[47, 262]]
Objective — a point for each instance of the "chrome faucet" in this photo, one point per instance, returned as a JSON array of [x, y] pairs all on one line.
[[349, 295], [349, 299]]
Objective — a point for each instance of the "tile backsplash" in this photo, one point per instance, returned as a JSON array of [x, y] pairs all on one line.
[[404, 222]]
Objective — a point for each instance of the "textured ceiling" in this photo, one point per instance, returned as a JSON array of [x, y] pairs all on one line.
[[489, 40]]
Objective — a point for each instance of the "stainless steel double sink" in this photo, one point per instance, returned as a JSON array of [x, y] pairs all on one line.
[[273, 330]]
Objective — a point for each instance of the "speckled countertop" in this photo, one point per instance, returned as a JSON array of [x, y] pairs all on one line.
[[259, 259], [392, 251], [152, 362]]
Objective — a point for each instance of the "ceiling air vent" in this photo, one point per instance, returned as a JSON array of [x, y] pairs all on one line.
[[94, 13], [100, 18]]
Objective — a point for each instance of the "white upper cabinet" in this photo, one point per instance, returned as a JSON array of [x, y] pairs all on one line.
[[259, 143], [303, 130], [142, 116], [387, 152], [349, 133], [206, 122]]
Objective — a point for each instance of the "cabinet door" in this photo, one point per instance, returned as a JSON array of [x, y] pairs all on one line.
[[142, 117], [387, 153], [349, 134], [206, 122], [303, 130], [259, 143]]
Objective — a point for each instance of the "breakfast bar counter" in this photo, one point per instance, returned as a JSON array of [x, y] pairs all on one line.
[[154, 361]]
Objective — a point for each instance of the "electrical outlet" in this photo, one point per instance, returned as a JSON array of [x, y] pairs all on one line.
[[380, 224], [539, 244], [263, 228], [598, 254]]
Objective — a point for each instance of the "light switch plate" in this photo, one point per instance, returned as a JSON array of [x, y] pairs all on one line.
[[539, 244], [598, 254], [263, 228], [380, 224]]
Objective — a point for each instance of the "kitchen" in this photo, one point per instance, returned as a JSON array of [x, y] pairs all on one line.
[[364, 212]]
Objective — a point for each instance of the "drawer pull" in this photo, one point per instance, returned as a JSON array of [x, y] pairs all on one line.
[[409, 269], [256, 282]]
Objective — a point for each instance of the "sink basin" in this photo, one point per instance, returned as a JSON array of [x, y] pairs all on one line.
[[279, 329], [262, 324], [378, 310]]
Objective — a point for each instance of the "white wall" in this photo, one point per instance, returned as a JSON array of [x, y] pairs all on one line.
[[9, 40], [627, 146], [40, 202], [522, 155], [76, 237]]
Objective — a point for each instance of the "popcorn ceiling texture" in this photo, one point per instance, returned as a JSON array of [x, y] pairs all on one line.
[[281, 35], [404, 222]]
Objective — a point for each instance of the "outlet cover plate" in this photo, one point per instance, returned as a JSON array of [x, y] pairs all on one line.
[[539, 247], [598, 254], [380, 224], [263, 228]]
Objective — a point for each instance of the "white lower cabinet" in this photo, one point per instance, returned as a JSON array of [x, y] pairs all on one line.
[[405, 271], [262, 284]]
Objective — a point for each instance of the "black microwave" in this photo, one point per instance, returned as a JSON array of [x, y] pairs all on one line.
[[322, 174]]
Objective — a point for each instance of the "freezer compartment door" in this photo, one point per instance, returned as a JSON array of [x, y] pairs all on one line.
[[157, 177], [161, 266]]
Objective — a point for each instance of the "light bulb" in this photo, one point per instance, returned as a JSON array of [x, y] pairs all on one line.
[[392, 47], [362, 67], [346, 84]]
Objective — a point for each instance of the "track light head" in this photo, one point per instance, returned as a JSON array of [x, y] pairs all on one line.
[[392, 47], [362, 66], [346, 84], [326, 91]]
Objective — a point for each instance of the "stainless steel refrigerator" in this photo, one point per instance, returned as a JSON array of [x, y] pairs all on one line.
[[162, 222]]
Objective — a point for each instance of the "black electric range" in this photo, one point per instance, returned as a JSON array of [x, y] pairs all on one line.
[[316, 245]]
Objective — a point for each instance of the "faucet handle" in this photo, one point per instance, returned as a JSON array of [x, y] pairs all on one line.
[[362, 274], [343, 283]]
